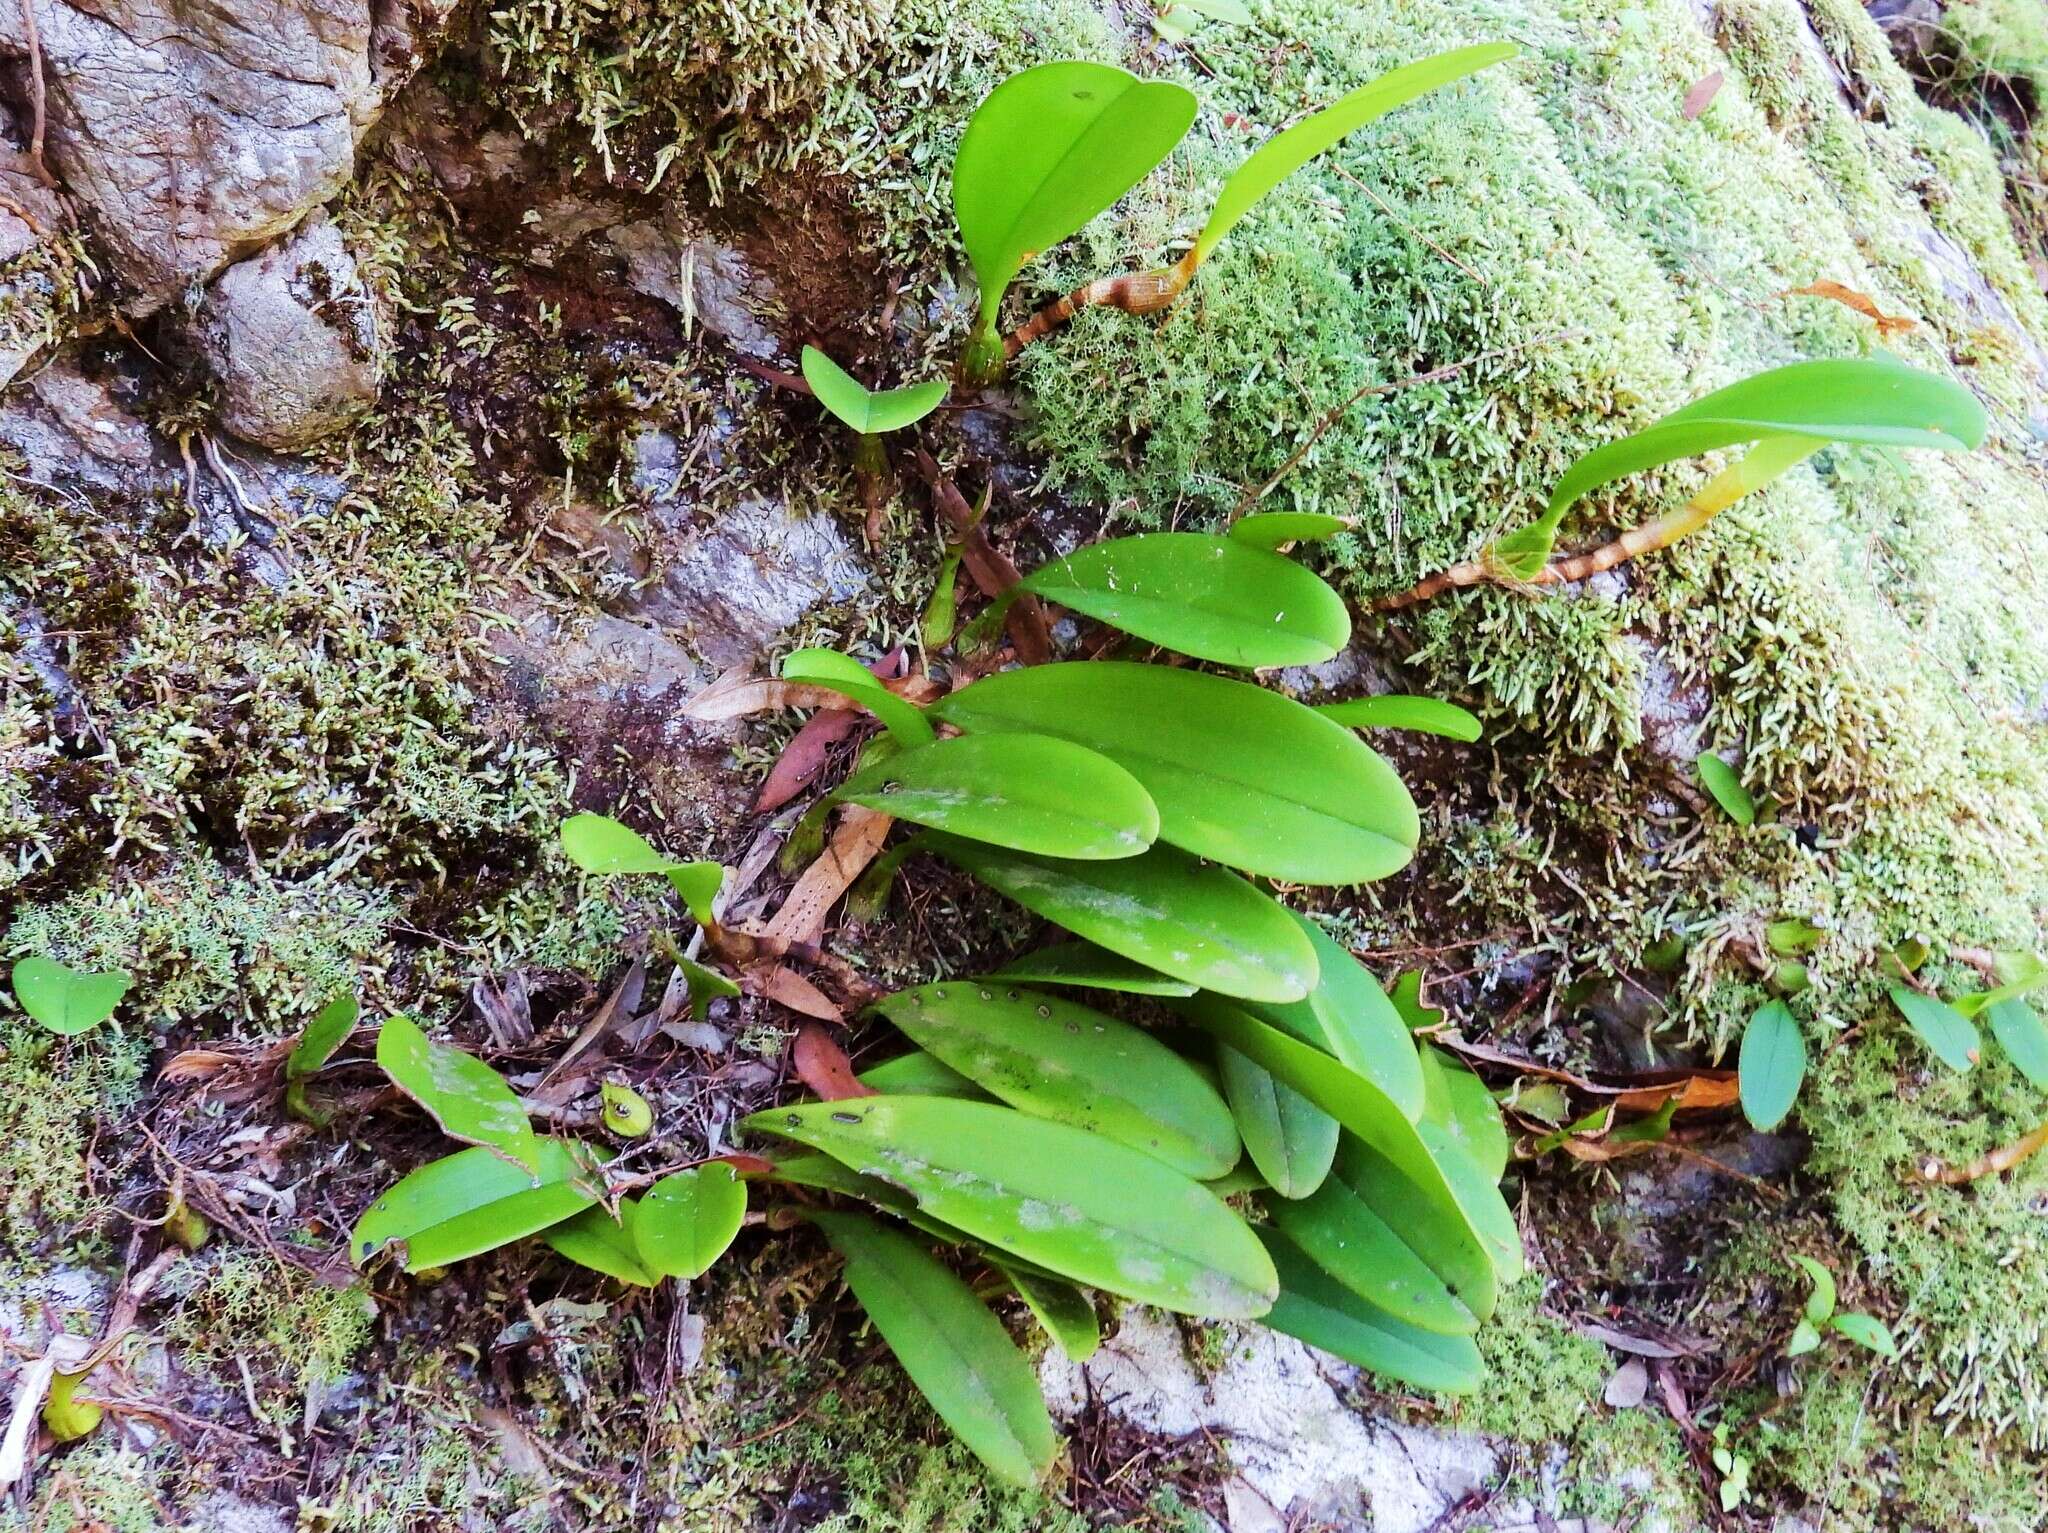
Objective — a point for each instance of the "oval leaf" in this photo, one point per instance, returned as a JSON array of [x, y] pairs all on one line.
[[1392, 710], [1820, 1300], [596, 1240], [868, 411], [1240, 775], [954, 1350], [1291, 1141], [327, 1032], [1771, 1066], [1349, 1017], [2019, 1032], [66, 1000], [684, 1222], [1204, 596], [471, 1202], [1049, 149], [1088, 967], [918, 1074], [1868, 1331], [1164, 910], [1285, 153], [1314, 1307], [1948, 1034], [1274, 530], [469, 1099], [1072, 1202], [597, 843], [1056, 1059], [1032, 793], [1720, 779]]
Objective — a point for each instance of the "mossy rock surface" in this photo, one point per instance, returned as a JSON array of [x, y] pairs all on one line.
[[271, 728]]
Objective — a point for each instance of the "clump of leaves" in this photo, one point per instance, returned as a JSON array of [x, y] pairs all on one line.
[[1819, 1318]]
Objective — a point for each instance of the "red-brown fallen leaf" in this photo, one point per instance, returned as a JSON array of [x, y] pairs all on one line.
[[734, 696], [1702, 94], [990, 569], [1888, 325], [197, 1065], [1701, 1092], [853, 846], [811, 747], [745, 1164], [788, 988], [823, 1067]]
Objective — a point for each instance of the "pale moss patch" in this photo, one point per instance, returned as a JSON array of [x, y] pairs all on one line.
[[234, 1307], [52, 1093]]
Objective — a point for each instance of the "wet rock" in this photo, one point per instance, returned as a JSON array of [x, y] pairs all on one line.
[[71, 431], [705, 282], [295, 340], [193, 133]]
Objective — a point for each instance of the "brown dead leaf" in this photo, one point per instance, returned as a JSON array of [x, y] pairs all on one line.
[[1888, 325], [737, 696], [823, 1067], [990, 569], [1702, 1092], [788, 988], [853, 846], [197, 1065], [809, 749], [622, 1003], [1702, 94], [2004, 1158]]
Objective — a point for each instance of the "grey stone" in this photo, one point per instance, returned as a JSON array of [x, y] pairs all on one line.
[[705, 282]]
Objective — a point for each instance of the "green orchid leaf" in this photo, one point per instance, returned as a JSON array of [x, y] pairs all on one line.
[[1056, 1059], [1231, 11], [67, 1417], [855, 682], [1720, 780], [1072, 1202], [1049, 149], [470, 1100], [1771, 1066], [1458, 1103], [1392, 710], [1314, 1307], [1793, 937], [1349, 1017], [955, 1351], [918, 1074], [2019, 974], [66, 1000], [475, 1201], [1359, 1230], [1948, 1034], [1867, 1331], [327, 1032], [1088, 967], [1064, 1310], [2019, 1031], [1407, 998], [1208, 597], [1290, 1140], [1820, 1302], [1446, 1206], [625, 1112], [1275, 530], [1031, 793], [1240, 775], [697, 885], [868, 411], [705, 985], [599, 844], [1787, 414], [1805, 1337], [596, 1240], [685, 1221], [1285, 153], [1163, 910]]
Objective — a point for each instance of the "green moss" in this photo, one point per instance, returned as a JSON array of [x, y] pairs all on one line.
[[53, 1095], [235, 1308], [97, 1486]]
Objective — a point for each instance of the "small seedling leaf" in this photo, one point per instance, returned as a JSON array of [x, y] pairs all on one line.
[[1805, 1337], [470, 1100], [1274, 530], [1820, 1300], [1031, 793], [955, 1351], [1867, 1331], [684, 1222], [1209, 597], [1720, 780], [868, 411], [1771, 1066], [1948, 1034], [626, 1112], [66, 1000], [597, 843], [67, 1417], [2019, 1031], [327, 1032], [1423, 715], [596, 1240]]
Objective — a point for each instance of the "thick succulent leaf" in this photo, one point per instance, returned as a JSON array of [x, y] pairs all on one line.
[[1291, 1141], [1273, 530], [1393, 710], [63, 999], [1208, 597], [1088, 967], [1354, 1228], [327, 1032], [1463, 1249], [1049, 149], [1163, 910], [918, 1074], [1948, 1034], [596, 1240], [1458, 1102], [1771, 1066], [683, 1223], [474, 1201], [1072, 1202], [855, 682], [954, 1350], [1032, 793], [868, 411], [1062, 1308], [470, 1100], [1349, 1017], [1056, 1059], [1285, 153], [1314, 1307], [2018, 1029], [1240, 775]]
